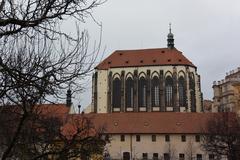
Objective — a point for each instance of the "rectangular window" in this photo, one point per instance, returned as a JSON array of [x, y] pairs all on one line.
[[183, 137], [138, 138], [154, 138], [166, 156], [199, 156], [145, 156], [197, 138], [155, 156], [167, 138], [122, 138], [211, 157], [181, 156]]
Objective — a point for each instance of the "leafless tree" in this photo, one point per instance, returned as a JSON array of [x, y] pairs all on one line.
[[38, 62], [24, 16], [190, 150], [170, 152], [222, 136], [48, 135]]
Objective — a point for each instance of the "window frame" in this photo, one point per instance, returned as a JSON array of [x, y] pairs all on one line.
[[155, 156], [154, 138], [181, 156], [197, 138], [155, 91], [183, 138], [166, 156], [182, 91], [199, 157], [122, 138], [167, 138], [138, 138], [169, 91], [116, 93], [145, 156], [142, 92], [129, 92]]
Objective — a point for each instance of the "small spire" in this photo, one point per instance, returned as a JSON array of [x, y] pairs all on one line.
[[170, 39], [69, 98], [170, 29]]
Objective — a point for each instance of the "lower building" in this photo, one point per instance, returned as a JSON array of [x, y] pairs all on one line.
[[154, 135]]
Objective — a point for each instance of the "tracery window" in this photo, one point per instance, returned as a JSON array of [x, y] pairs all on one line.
[[142, 92], [116, 95], [155, 92], [182, 91], [129, 92], [169, 91]]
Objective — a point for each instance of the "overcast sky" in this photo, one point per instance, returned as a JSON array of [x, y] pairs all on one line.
[[206, 31]]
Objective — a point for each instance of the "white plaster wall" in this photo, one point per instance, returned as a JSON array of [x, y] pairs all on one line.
[[103, 84], [116, 147], [102, 88]]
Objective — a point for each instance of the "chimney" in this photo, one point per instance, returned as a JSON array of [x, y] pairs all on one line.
[[69, 98]]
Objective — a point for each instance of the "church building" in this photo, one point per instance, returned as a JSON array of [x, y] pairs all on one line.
[[149, 102], [147, 80]]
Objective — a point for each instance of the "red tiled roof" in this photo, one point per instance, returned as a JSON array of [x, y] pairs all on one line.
[[57, 109], [153, 122], [144, 57]]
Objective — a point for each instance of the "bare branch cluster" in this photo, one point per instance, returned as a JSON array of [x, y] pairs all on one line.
[[23, 16], [45, 136], [223, 136], [38, 61]]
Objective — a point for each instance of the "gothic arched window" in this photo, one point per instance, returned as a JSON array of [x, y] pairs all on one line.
[[155, 92], [116, 94], [142, 92], [129, 92], [182, 91], [192, 92], [169, 91]]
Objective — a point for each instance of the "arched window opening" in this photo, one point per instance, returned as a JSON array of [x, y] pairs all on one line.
[[169, 91], [116, 95], [142, 92], [129, 92], [182, 91], [192, 92], [155, 92]]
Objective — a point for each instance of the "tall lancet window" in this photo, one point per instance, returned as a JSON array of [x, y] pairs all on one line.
[[155, 92], [182, 91], [169, 91], [192, 92], [129, 92], [142, 92], [116, 94]]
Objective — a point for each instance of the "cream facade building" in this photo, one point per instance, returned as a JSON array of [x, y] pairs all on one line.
[[147, 80], [155, 135], [226, 92], [150, 102]]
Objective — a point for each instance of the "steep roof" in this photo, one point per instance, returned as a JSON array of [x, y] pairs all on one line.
[[144, 57], [154, 122]]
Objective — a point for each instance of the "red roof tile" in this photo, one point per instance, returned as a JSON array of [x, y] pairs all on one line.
[[56, 109], [144, 57], [153, 122]]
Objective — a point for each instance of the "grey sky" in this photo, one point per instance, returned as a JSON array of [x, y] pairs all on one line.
[[206, 31]]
